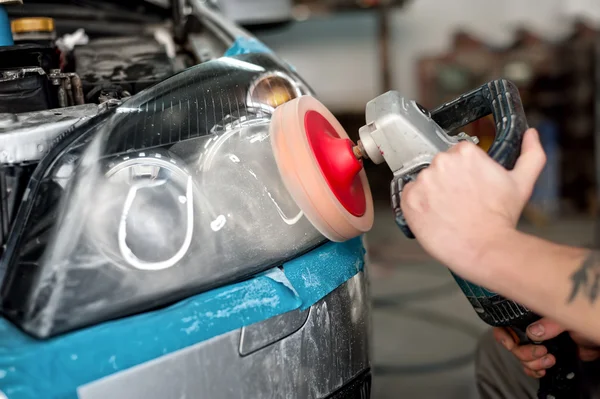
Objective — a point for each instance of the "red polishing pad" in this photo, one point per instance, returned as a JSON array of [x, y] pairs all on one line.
[[337, 161], [318, 167]]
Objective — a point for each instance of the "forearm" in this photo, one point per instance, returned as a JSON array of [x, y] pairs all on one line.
[[557, 281]]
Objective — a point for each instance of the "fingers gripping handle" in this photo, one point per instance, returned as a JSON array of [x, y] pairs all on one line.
[[501, 99], [564, 380]]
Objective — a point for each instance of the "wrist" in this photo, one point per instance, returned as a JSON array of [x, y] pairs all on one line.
[[492, 256]]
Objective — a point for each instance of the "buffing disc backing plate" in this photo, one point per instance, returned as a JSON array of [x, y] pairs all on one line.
[[304, 178]]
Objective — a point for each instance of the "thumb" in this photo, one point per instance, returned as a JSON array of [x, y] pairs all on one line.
[[544, 329], [530, 163]]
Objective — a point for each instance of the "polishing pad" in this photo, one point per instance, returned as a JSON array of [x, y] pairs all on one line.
[[317, 164]]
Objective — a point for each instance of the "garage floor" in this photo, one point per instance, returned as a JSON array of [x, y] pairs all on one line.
[[425, 331]]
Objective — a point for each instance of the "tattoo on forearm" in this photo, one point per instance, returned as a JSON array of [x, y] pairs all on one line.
[[586, 279]]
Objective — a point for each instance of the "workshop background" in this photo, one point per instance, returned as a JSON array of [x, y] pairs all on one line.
[[425, 332]]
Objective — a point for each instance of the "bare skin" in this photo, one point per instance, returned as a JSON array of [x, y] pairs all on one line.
[[535, 358], [464, 210]]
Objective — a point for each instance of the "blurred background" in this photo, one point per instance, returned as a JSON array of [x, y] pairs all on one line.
[[350, 51]]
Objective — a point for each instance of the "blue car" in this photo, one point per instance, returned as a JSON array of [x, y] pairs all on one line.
[[150, 248]]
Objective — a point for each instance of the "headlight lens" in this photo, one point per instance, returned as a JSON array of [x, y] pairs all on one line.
[[144, 211], [273, 89], [174, 193]]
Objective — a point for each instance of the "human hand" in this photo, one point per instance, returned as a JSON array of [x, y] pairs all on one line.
[[464, 200], [535, 358]]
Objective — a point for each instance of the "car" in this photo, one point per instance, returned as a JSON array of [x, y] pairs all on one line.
[[149, 246]]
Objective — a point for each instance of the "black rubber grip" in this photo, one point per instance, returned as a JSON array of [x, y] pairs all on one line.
[[499, 98]]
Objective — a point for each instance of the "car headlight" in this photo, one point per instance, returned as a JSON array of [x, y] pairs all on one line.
[[272, 89], [172, 193]]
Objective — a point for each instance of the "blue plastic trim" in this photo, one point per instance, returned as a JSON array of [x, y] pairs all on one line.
[[247, 45], [53, 369], [6, 38]]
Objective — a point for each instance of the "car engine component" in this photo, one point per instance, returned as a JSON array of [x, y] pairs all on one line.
[[31, 80], [37, 30], [121, 66]]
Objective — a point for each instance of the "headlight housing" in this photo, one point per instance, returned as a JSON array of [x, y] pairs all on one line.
[[172, 193]]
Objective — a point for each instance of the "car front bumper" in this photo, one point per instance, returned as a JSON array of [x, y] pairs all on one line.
[[327, 356], [299, 331]]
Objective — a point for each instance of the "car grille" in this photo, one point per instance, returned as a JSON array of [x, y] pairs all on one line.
[[359, 388]]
